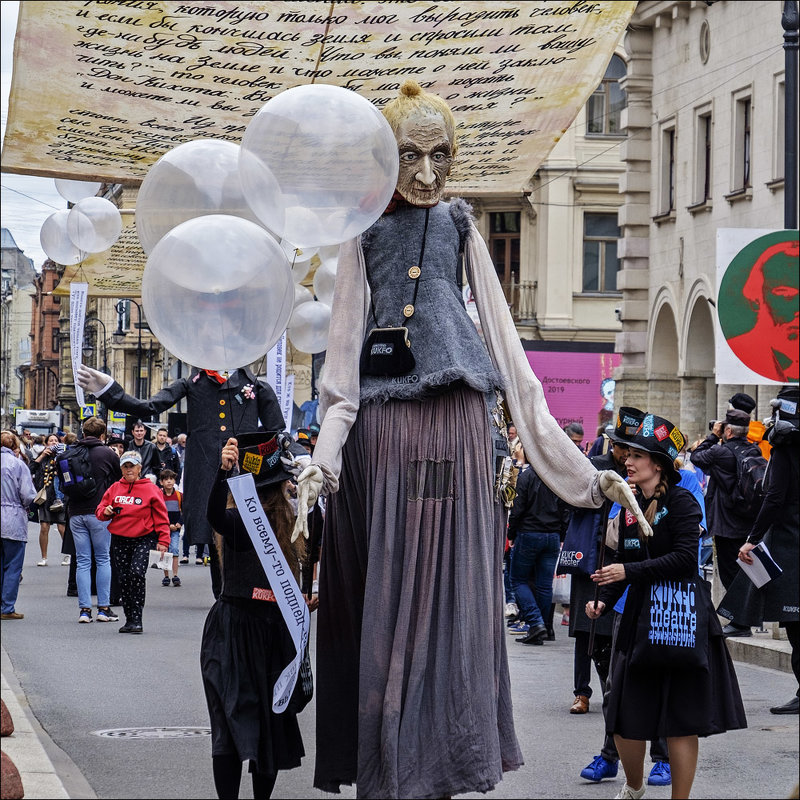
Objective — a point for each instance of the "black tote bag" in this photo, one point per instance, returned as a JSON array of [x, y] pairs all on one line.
[[672, 628]]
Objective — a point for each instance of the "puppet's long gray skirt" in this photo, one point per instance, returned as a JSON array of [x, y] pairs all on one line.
[[413, 695]]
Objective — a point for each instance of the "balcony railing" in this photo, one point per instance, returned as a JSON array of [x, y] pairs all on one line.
[[521, 299]]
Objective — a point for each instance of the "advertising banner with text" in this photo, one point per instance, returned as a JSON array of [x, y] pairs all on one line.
[[578, 387]]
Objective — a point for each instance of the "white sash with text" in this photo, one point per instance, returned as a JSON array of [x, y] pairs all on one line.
[[290, 599]]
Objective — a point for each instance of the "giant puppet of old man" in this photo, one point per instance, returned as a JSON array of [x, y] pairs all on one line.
[[413, 688]]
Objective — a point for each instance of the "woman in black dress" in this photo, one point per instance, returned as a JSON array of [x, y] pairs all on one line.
[[246, 644], [679, 704]]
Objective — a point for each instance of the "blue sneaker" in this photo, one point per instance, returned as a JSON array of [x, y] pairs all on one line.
[[660, 775], [519, 628], [599, 769]]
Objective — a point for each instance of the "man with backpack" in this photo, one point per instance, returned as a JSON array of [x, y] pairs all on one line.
[[729, 460], [86, 469]]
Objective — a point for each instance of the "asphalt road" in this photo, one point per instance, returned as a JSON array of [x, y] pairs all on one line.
[[80, 679]]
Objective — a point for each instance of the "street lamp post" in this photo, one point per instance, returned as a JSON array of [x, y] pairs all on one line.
[[105, 349], [121, 333]]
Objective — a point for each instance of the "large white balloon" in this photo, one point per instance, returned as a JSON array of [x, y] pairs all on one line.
[[94, 224], [191, 180], [75, 191], [55, 240], [297, 255], [217, 291], [324, 283], [308, 327], [319, 164], [301, 295]]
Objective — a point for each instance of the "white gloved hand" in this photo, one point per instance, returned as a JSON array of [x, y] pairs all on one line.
[[309, 485], [295, 464], [93, 381], [152, 478], [615, 488]]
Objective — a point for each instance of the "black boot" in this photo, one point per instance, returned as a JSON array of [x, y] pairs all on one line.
[[536, 635], [792, 707]]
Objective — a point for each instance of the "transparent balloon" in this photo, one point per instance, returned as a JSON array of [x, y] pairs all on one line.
[[329, 254], [75, 191], [308, 327], [297, 255], [94, 224], [217, 291], [319, 164], [324, 282], [191, 180], [300, 270], [55, 240], [301, 295]]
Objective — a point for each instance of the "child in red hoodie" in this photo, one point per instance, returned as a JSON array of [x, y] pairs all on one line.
[[139, 524]]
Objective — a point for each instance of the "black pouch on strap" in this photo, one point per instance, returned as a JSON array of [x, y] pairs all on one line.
[[387, 353]]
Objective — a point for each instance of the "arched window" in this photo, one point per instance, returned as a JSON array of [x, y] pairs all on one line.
[[604, 109]]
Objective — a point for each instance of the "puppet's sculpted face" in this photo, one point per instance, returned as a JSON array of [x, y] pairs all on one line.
[[426, 154]]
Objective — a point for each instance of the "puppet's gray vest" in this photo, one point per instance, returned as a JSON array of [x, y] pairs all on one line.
[[444, 340]]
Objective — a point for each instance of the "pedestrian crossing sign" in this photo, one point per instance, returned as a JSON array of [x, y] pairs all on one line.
[[89, 410]]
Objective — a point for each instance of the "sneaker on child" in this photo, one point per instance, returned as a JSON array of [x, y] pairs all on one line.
[[106, 615]]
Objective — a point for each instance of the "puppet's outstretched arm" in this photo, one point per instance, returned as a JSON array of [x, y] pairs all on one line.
[[560, 464]]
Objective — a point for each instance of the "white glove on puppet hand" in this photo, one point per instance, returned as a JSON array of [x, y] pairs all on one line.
[[295, 464], [309, 485], [615, 488], [93, 381]]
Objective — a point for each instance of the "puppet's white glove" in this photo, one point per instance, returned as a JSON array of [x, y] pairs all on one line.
[[309, 485], [615, 488], [295, 464], [93, 381]]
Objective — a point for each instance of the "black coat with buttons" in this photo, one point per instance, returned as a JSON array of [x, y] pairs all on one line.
[[214, 413]]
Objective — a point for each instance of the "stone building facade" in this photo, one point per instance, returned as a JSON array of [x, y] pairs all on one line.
[[704, 151]]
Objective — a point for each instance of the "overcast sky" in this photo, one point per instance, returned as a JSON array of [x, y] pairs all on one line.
[[26, 201]]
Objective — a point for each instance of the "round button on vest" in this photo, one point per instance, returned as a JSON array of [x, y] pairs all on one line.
[[408, 311], [414, 272]]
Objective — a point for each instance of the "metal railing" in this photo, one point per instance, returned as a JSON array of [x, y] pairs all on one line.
[[521, 299]]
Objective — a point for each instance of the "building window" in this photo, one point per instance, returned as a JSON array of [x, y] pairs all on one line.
[[667, 177], [56, 333], [779, 170], [600, 263], [741, 144], [604, 109], [504, 239], [702, 172]]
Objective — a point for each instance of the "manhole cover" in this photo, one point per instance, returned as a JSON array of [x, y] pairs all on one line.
[[152, 733]]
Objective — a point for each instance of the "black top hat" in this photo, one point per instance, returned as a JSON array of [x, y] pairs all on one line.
[[743, 402], [628, 421], [660, 438], [260, 454]]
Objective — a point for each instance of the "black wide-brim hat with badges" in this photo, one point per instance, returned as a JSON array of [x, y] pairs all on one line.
[[628, 421], [660, 438], [260, 454]]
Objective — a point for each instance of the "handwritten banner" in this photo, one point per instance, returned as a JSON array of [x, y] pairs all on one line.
[[117, 272], [101, 90]]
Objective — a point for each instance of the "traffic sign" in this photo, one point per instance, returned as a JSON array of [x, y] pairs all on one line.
[[89, 410]]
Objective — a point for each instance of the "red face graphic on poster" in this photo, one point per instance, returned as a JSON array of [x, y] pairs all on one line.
[[759, 306]]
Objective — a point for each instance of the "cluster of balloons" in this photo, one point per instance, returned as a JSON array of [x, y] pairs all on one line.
[[92, 225], [230, 230]]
